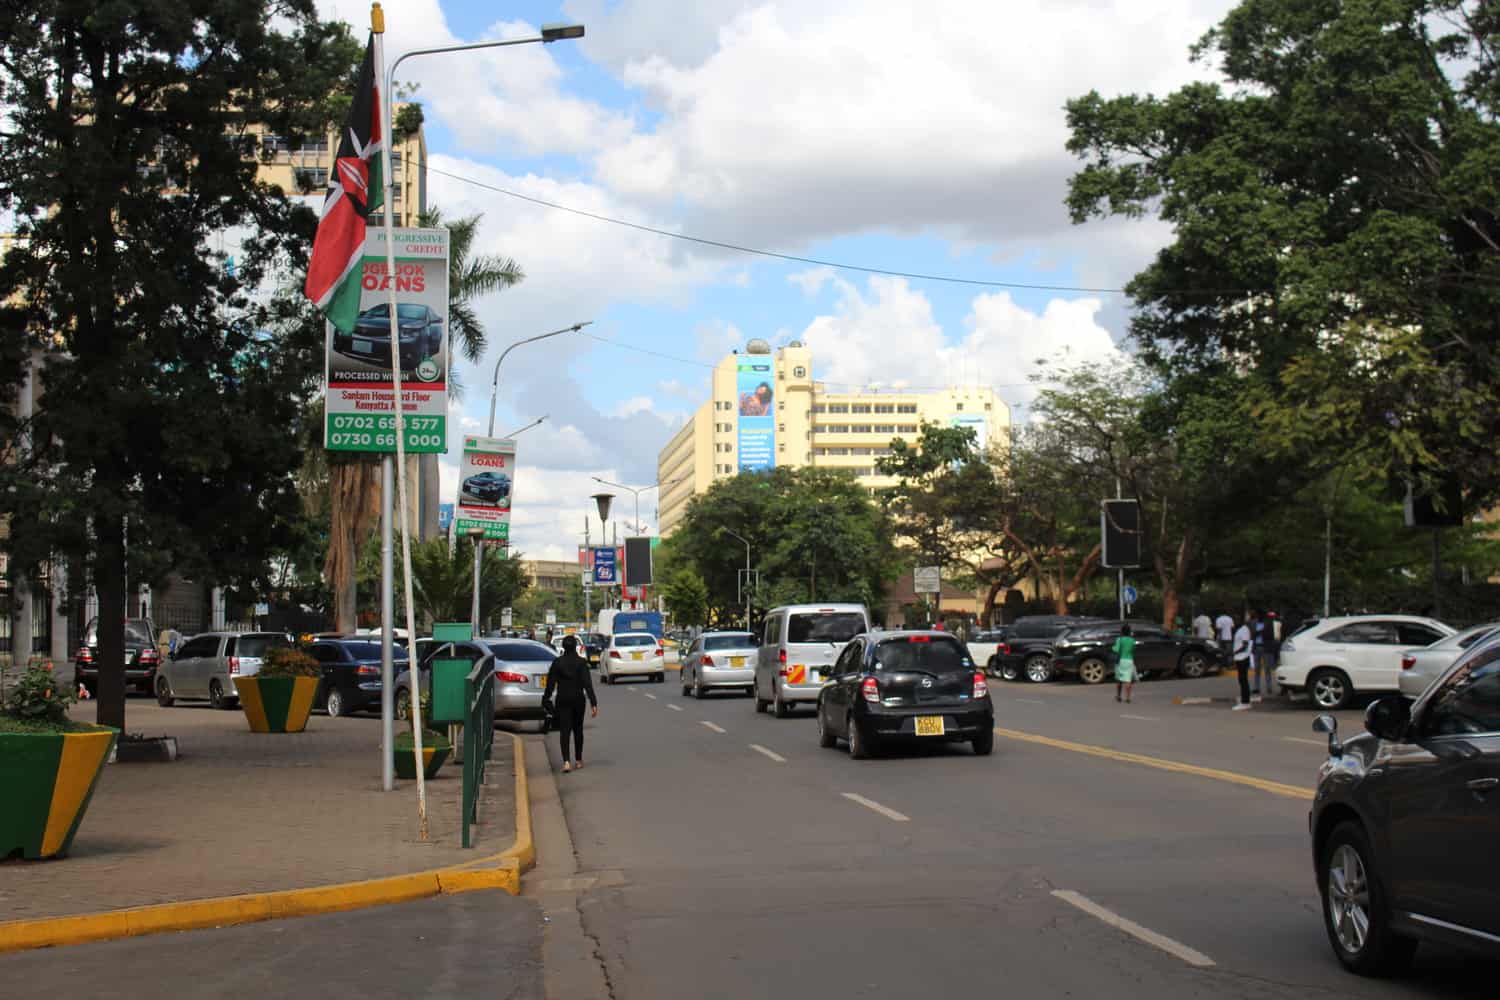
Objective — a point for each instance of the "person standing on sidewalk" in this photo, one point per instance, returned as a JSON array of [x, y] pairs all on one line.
[[1224, 632], [1267, 652], [569, 677], [1242, 643], [1124, 652]]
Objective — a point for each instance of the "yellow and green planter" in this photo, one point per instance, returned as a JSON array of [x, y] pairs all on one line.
[[435, 751], [276, 704], [46, 781]]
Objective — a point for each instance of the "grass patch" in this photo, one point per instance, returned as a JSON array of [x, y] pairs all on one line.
[[11, 724]]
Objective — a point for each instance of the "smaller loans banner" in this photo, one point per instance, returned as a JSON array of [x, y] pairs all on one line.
[[485, 480], [358, 364]]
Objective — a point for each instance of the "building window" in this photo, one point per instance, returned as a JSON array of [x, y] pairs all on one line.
[[885, 428], [312, 178], [779, 427], [987, 406], [885, 407], [779, 447], [799, 372], [781, 404], [838, 407], [906, 408], [819, 408], [860, 429], [957, 406], [908, 428], [860, 408]]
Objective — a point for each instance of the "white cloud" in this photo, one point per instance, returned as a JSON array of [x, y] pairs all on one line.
[[812, 280]]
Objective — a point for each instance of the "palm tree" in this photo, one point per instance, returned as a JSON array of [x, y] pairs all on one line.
[[354, 479]]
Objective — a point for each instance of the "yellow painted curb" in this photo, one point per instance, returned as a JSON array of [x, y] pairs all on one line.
[[498, 871]]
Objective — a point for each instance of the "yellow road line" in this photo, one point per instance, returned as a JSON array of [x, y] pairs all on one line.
[[1274, 787]]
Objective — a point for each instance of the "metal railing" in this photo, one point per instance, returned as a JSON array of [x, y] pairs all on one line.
[[479, 736]]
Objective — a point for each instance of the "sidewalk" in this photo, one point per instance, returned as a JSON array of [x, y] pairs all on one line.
[[242, 812]]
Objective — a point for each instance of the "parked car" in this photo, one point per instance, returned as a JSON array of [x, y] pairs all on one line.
[[1406, 818], [799, 642], [206, 665], [633, 654], [984, 647], [487, 487], [719, 660], [1420, 667], [420, 335], [351, 674], [141, 656], [1027, 651], [521, 667], [1086, 651], [907, 685], [1340, 657]]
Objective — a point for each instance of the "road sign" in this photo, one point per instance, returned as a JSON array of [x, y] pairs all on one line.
[[604, 567], [485, 481], [551, 617], [927, 579], [1129, 594], [507, 619]]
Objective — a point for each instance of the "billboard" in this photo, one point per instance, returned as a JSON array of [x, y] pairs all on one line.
[[604, 567], [357, 365], [757, 415], [975, 422], [1120, 533], [638, 561], [485, 480]]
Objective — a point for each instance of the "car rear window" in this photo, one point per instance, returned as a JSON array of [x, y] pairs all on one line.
[[522, 652], [921, 653], [738, 641], [824, 626], [256, 645], [635, 640], [138, 631], [371, 650]]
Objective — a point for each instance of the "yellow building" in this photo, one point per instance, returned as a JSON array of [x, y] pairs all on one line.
[[305, 168], [551, 576], [767, 409]]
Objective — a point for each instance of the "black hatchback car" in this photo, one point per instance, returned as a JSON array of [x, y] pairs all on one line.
[[908, 686], [1087, 652], [351, 673], [1407, 818]]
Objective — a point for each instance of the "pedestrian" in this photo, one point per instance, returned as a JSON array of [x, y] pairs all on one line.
[[1224, 631], [569, 677], [1242, 641], [1203, 626], [1268, 656], [1124, 653]]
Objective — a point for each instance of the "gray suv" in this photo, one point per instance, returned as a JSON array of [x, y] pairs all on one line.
[[1406, 819], [206, 665]]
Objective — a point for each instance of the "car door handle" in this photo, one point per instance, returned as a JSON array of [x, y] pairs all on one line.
[[1483, 784]]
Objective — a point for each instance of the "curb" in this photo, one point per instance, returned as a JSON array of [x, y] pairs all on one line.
[[498, 871]]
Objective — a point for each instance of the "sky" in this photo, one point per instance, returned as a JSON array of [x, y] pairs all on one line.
[[920, 137]]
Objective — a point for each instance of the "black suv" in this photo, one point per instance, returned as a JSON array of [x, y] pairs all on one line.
[[918, 686], [141, 656], [1028, 648], [1406, 819], [1087, 651]]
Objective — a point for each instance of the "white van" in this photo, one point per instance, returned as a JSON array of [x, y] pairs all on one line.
[[798, 643]]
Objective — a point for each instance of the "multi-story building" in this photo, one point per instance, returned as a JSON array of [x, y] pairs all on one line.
[[768, 409], [551, 576]]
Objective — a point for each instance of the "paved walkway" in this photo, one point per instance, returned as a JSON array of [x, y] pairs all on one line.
[[240, 812]]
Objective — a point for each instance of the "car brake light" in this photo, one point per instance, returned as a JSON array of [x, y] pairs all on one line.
[[511, 677], [150, 656], [1004, 649], [367, 670], [85, 655], [871, 690], [919, 638], [660, 651], [707, 661], [614, 654], [981, 686], [234, 664], [781, 656], [1408, 661]]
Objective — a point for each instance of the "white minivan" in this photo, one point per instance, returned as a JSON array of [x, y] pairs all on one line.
[[798, 643]]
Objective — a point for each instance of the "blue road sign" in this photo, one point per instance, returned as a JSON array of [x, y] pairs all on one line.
[[1130, 594], [604, 567]]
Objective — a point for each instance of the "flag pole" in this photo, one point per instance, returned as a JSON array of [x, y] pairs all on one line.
[[377, 25]]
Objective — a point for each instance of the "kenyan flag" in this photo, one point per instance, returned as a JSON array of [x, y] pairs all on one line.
[[355, 189]]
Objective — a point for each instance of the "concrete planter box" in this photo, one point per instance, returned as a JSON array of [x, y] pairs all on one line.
[[46, 781], [433, 758], [276, 704]]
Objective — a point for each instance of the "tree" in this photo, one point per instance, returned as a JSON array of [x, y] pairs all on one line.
[[686, 597], [169, 412], [443, 580], [1336, 240]]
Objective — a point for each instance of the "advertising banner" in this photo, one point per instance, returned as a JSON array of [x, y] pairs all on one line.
[[357, 366], [485, 479], [977, 423], [757, 416], [604, 567]]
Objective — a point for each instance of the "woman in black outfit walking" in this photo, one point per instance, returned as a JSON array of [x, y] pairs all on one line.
[[569, 677]]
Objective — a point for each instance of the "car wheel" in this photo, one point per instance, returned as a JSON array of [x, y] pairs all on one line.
[[826, 737], [1355, 911], [164, 693], [860, 747], [1192, 665], [1039, 668], [1330, 689], [1093, 671], [699, 690], [686, 687], [1010, 672], [781, 708], [403, 705], [604, 676], [760, 703], [216, 696], [334, 703], [984, 743], [660, 678]]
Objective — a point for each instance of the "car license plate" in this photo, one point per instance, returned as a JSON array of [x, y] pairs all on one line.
[[364, 347], [540, 680], [736, 661], [929, 725], [637, 656]]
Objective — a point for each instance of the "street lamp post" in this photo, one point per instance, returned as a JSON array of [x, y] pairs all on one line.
[[747, 573], [636, 492]]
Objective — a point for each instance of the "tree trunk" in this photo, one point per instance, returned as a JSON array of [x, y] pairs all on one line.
[[354, 509], [109, 580]]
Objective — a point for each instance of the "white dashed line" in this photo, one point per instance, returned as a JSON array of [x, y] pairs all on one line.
[[1174, 948], [877, 807], [1029, 701], [675, 708], [769, 753], [651, 696], [1302, 739], [715, 728], [1141, 718]]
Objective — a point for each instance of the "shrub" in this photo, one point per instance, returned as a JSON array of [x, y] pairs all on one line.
[[430, 738], [40, 696], [286, 662]]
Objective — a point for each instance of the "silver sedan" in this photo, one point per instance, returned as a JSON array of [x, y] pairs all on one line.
[[1425, 664], [718, 660]]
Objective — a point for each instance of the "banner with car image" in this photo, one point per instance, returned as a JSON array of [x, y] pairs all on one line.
[[358, 413], [485, 479]]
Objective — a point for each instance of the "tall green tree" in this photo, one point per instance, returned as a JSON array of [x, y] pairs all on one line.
[[686, 597], [168, 414], [443, 581]]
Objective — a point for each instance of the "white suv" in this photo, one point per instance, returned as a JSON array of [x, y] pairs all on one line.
[[1337, 657]]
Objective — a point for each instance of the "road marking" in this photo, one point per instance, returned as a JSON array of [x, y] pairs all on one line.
[[675, 708], [651, 696], [1174, 948], [877, 807], [1303, 739], [1141, 718], [1274, 787], [715, 728], [1029, 701], [769, 753]]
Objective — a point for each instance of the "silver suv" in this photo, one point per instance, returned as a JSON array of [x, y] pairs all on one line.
[[799, 642], [206, 665]]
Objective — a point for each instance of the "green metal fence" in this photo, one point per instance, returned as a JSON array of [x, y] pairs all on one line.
[[479, 735]]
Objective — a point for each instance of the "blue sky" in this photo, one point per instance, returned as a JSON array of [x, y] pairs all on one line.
[[922, 137]]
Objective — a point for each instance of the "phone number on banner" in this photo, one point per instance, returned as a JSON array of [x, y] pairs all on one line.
[[367, 432]]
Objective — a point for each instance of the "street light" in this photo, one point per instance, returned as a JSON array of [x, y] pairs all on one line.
[[637, 492], [747, 571], [495, 380], [529, 426]]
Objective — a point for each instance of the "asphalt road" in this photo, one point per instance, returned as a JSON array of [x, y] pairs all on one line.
[[734, 858]]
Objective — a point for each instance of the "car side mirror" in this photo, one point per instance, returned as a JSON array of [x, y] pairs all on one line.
[[1388, 717], [1328, 724]]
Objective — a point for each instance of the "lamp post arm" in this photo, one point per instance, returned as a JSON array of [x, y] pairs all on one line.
[[495, 379]]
